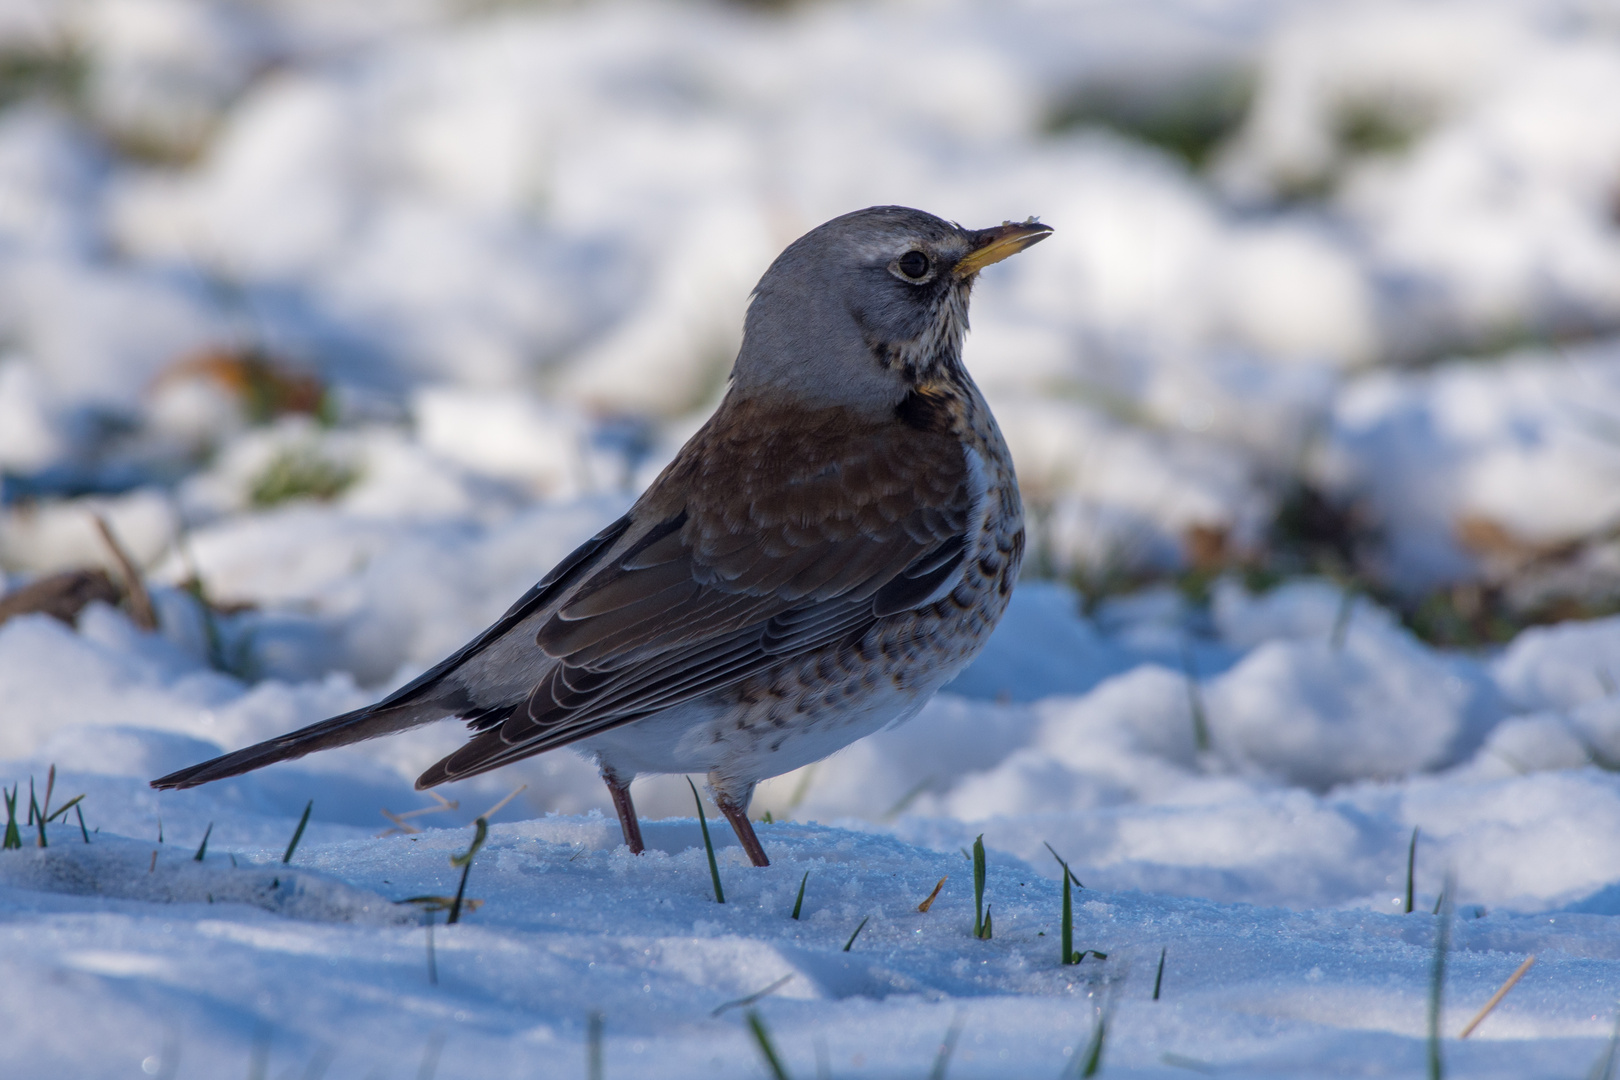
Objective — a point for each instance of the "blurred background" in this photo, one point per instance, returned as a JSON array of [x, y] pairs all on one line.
[[349, 317]]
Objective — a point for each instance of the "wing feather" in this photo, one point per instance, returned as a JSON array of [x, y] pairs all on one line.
[[776, 535]]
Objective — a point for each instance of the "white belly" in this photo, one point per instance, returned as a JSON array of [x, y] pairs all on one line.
[[724, 738]]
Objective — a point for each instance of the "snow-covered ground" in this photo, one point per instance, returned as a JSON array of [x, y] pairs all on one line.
[[351, 317]]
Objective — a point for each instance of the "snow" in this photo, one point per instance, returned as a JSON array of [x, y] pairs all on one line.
[[1272, 396]]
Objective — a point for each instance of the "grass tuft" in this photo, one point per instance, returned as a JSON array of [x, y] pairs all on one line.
[[1411, 865], [981, 924], [850, 943], [1158, 980], [767, 1048], [292, 846], [1190, 117], [202, 848], [708, 845], [300, 473], [13, 834], [1067, 955], [798, 903]]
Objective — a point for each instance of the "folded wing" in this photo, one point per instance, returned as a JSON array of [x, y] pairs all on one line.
[[772, 536]]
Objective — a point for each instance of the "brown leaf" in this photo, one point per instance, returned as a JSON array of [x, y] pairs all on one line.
[[61, 596]]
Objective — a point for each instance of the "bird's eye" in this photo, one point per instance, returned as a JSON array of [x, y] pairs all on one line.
[[913, 264]]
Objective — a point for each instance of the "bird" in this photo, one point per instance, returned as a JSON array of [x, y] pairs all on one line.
[[831, 547]]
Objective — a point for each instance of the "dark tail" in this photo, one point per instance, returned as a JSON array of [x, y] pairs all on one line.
[[352, 727], [423, 699]]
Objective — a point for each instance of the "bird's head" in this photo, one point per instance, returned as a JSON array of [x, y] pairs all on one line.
[[860, 311]]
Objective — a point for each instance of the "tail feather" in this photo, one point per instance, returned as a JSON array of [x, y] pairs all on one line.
[[368, 723]]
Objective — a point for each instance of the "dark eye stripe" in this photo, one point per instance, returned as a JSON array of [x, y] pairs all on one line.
[[913, 264]]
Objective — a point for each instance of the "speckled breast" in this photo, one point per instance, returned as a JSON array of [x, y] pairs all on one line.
[[891, 669]]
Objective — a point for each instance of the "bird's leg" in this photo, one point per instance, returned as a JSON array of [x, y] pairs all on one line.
[[736, 811], [620, 790]]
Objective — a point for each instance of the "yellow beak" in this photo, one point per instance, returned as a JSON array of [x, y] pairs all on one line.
[[993, 245]]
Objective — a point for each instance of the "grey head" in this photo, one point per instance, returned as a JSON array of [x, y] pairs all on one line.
[[861, 310]]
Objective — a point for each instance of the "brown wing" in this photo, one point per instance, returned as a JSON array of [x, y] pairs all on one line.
[[774, 533]]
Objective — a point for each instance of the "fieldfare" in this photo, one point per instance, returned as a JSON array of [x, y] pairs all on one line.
[[834, 544]]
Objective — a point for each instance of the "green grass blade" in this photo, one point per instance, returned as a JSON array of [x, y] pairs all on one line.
[[988, 931], [905, 801], [1411, 865], [298, 833], [767, 1049], [1195, 703], [593, 1046], [465, 861], [259, 1056], [744, 1002], [708, 844], [480, 834], [13, 834], [798, 904], [82, 830], [433, 962], [1437, 984], [942, 1060], [61, 811], [430, 1056], [1064, 863], [1067, 946], [978, 887], [202, 848], [461, 891], [1091, 1062], [848, 944], [36, 817]]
